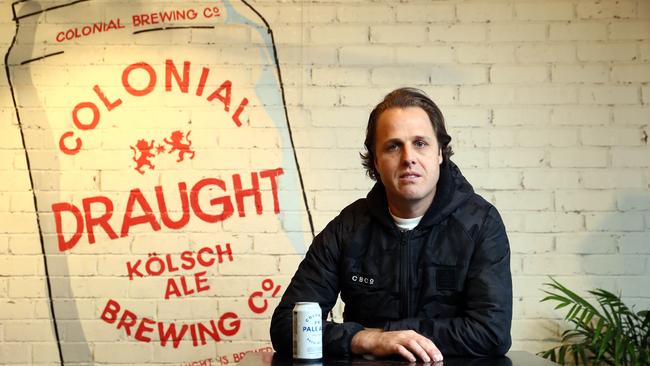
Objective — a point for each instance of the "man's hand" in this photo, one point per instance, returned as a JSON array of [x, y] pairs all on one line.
[[407, 343]]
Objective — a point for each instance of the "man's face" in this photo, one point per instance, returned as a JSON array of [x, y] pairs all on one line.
[[408, 160]]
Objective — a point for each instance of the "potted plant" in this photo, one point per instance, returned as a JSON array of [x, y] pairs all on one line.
[[610, 334]]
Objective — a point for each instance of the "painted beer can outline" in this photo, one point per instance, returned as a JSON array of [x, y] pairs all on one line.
[[100, 105], [307, 332]]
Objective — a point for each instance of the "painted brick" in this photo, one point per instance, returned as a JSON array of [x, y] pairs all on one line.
[[425, 13], [518, 74], [553, 222], [614, 221], [586, 243], [523, 243], [645, 91], [456, 117], [606, 51], [546, 95], [396, 75], [634, 200], [630, 157], [342, 116], [544, 11], [580, 115], [545, 178], [580, 73], [516, 157], [560, 137], [631, 73], [633, 286], [124, 352], [578, 32], [350, 137], [474, 158], [366, 55], [483, 12], [307, 54], [635, 115], [14, 265], [486, 95], [459, 75], [609, 95], [545, 52], [517, 32], [28, 331], [424, 54], [606, 9], [339, 34], [493, 178], [634, 243], [340, 76], [16, 353], [611, 137], [490, 53], [521, 116], [554, 264], [585, 200], [578, 157], [472, 137], [336, 200], [629, 30], [443, 96], [362, 97], [612, 178], [398, 33], [613, 264], [524, 200], [644, 51], [365, 14], [458, 32]]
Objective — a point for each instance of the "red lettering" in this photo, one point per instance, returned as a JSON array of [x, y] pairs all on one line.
[[221, 252], [199, 280], [240, 109], [139, 65], [57, 209], [188, 260], [272, 174], [142, 328], [204, 77], [172, 289], [223, 200], [225, 99], [109, 315], [109, 105], [170, 70], [67, 150], [231, 328], [212, 332], [146, 217], [185, 210], [133, 270], [240, 193], [165, 335], [95, 119], [102, 220], [127, 321], [199, 256]]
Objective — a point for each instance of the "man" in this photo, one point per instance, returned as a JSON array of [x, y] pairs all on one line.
[[422, 263]]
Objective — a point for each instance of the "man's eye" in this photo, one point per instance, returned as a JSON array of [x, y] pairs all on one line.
[[391, 147], [420, 143]]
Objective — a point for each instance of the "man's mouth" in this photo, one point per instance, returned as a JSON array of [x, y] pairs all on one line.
[[409, 176]]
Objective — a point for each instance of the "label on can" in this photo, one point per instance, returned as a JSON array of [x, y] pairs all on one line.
[[307, 331]]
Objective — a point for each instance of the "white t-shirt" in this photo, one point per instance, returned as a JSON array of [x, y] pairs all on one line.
[[405, 224]]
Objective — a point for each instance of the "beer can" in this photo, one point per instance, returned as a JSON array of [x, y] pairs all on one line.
[[307, 332]]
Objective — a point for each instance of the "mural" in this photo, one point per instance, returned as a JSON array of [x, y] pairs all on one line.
[[163, 172]]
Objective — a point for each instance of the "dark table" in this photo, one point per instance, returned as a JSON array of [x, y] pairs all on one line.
[[513, 358]]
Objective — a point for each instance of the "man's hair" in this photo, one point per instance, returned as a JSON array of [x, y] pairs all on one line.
[[403, 98]]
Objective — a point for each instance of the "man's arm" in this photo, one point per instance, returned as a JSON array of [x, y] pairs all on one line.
[[316, 280], [483, 329]]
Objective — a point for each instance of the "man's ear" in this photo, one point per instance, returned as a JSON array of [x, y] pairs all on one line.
[[440, 159]]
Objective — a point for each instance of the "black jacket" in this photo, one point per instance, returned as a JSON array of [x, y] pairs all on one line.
[[447, 279]]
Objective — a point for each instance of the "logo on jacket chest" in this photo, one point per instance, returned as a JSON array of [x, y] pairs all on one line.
[[362, 279]]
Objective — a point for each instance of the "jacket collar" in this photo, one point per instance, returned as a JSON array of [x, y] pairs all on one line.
[[452, 191]]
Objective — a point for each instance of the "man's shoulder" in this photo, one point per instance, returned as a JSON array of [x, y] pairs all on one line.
[[474, 213]]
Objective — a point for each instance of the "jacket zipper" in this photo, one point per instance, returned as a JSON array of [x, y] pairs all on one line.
[[406, 288]]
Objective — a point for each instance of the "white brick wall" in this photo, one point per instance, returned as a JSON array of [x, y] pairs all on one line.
[[547, 103]]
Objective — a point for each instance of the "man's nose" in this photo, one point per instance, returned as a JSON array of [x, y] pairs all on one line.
[[407, 155]]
